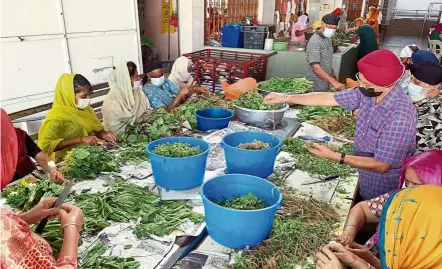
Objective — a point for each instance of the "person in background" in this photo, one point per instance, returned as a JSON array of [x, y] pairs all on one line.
[[405, 57], [373, 20], [424, 91], [409, 234], [28, 149], [300, 28], [71, 121], [319, 56], [421, 169], [435, 34], [125, 103], [386, 126], [337, 12], [368, 43], [417, 56], [21, 247], [160, 91], [182, 72]]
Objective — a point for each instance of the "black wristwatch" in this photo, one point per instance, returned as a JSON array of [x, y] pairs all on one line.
[[342, 158]]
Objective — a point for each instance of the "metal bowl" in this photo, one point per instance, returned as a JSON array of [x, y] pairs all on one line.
[[261, 118]]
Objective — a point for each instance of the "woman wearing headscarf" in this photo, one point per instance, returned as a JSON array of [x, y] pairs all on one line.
[[162, 92], [421, 169], [181, 72], [424, 91], [300, 28], [409, 236], [21, 247], [71, 121], [125, 103]]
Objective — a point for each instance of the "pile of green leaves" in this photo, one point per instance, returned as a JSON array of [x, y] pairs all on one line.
[[53, 236], [253, 100], [25, 198], [337, 125], [316, 166], [133, 154], [286, 85], [308, 113], [123, 202], [93, 260], [300, 229], [176, 150], [160, 123], [248, 202], [87, 162]]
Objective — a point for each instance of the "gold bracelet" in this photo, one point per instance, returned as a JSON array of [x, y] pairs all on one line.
[[68, 224]]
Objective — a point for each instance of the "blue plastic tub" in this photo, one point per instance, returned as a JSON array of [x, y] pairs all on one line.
[[213, 118], [232, 36], [178, 173], [239, 228], [250, 162]]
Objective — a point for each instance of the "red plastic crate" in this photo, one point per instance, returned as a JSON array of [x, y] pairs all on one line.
[[213, 66]]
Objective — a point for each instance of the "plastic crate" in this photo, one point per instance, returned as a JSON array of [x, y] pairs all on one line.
[[211, 66], [232, 37], [254, 36]]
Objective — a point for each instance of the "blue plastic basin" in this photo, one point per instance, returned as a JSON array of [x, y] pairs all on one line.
[[250, 162], [239, 228], [178, 173], [213, 118]]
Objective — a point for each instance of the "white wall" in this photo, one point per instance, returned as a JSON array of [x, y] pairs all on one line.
[[266, 11], [191, 25], [414, 4]]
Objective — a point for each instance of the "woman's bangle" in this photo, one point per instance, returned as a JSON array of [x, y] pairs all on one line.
[[350, 225], [68, 224]]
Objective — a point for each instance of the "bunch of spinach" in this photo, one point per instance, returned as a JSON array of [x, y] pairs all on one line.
[[87, 162], [94, 259], [308, 113], [248, 202], [253, 100], [176, 150], [316, 166], [286, 85]]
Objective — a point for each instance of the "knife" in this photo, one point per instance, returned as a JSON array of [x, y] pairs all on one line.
[[323, 180], [60, 200]]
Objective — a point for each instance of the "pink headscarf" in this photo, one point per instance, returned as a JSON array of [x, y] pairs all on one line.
[[301, 23], [8, 148], [428, 166]]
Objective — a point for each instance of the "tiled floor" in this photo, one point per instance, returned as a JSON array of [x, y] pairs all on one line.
[[397, 43]]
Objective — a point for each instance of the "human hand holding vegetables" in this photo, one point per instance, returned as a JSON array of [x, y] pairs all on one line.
[[275, 98], [108, 136], [90, 140], [71, 215], [71, 220], [365, 254], [56, 176], [333, 254], [324, 152], [40, 211]]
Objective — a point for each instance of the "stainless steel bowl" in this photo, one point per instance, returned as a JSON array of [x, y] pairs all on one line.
[[261, 118]]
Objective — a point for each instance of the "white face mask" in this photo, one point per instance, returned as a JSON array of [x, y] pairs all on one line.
[[328, 32], [137, 85], [158, 81], [83, 103], [415, 92]]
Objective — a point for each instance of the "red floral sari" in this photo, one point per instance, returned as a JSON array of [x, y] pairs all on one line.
[[21, 248]]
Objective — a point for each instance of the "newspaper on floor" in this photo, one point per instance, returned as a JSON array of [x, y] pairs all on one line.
[[204, 260]]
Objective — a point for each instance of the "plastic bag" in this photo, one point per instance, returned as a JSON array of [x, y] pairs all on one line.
[[234, 91]]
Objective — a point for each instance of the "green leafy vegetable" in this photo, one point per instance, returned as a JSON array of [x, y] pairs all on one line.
[[133, 154], [93, 260], [316, 166], [254, 100], [87, 162], [286, 85], [308, 113], [248, 202], [176, 150]]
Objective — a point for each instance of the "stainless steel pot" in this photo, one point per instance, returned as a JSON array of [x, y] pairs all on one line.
[[261, 118]]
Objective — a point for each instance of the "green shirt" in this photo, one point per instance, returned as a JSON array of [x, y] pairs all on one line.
[[368, 41]]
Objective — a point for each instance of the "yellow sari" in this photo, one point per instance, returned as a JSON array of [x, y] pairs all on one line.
[[65, 121], [411, 229]]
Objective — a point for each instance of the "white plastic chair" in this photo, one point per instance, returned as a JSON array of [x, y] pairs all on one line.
[[436, 48]]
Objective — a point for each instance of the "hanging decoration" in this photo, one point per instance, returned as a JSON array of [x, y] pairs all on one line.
[[165, 17]]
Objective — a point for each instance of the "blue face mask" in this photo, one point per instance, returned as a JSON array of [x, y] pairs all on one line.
[[415, 92]]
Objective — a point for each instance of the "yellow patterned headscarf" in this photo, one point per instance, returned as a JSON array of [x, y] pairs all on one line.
[[65, 120], [411, 229]]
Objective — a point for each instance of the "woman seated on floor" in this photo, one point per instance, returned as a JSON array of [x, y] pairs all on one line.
[[21, 247], [27, 149], [421, 169], [162, 92], [125, 103], [409, 234], [71, 121]]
